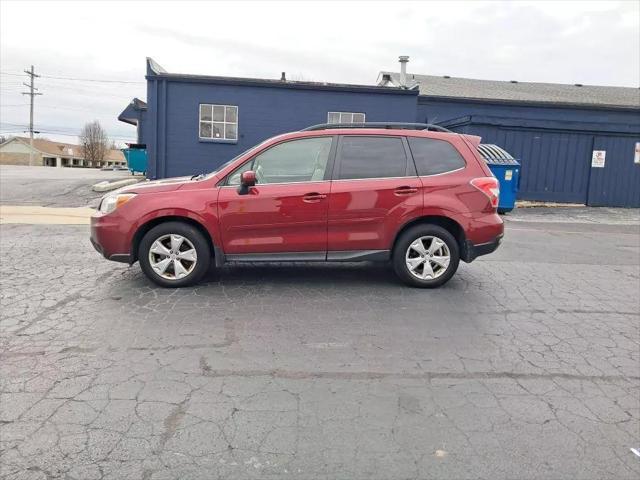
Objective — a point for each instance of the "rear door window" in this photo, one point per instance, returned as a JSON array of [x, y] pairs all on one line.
[[434, 156], [371, 157]]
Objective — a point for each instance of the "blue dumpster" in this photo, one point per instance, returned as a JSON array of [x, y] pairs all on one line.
[[136, 156], [507, 170]]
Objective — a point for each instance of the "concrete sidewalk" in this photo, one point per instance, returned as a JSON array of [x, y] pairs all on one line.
[[585, 215], [36, 215]]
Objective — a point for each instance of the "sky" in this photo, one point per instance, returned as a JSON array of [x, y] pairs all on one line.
[[91, 55]]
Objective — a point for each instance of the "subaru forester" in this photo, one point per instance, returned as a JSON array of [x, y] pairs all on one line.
[[412, 194]]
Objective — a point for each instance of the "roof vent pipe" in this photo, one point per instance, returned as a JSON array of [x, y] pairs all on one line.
[[403, 59]]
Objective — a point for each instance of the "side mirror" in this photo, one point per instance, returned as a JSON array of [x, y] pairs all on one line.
[[247, 180]]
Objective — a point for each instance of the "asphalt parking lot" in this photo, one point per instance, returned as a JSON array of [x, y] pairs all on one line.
[[52, 187], [526, 365]]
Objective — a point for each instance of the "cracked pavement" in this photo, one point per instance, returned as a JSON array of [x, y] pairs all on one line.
[[526, 365]]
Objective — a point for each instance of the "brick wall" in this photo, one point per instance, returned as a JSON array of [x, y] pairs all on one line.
[[7, 158]]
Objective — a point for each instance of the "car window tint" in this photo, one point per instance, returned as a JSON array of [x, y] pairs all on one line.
[[434, 156], [303, 160], [372, 157]]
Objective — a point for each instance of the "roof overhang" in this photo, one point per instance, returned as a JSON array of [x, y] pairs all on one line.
[[131, 114], [534, 124], [155, 72], [529, 103]]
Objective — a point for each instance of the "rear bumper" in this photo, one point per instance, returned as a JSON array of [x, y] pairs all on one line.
[[473, 251]]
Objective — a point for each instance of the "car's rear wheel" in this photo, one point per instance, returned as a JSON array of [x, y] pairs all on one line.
[[174, 254], [426, 256]]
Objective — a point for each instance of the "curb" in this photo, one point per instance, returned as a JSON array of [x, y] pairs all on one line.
[[36, 215], [108, 186], [535, 204]]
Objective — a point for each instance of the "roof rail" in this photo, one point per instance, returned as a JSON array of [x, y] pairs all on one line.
[[383, 125]]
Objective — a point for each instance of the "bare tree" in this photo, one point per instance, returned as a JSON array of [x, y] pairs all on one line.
[[94, 142]]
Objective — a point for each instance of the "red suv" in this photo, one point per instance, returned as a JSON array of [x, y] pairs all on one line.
[[410, 193]]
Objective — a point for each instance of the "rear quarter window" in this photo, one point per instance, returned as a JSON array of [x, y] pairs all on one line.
[[434, 156]]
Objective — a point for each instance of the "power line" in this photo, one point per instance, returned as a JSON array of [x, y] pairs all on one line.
[[65, 134], [14, 124], [76, 79], [93, 80], [57, 130], [40, 127], [86, 91], [117, 137]]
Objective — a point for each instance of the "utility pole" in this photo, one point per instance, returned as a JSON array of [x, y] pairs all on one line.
[[32, 93]]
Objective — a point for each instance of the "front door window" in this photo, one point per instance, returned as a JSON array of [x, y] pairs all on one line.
[[303, 160]]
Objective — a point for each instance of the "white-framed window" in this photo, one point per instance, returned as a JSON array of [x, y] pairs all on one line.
[[218, 122], [345, 117]]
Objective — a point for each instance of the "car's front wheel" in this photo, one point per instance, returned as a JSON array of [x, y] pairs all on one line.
[[426, 256], [174, 254]]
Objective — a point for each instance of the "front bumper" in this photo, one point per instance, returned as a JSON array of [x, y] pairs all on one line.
[[108, 240], [473, 251]]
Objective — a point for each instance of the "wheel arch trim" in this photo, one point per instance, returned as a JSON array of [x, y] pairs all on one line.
[[170, 215], [441, 219]]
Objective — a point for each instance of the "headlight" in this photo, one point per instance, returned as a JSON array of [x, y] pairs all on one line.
[[111, 202]]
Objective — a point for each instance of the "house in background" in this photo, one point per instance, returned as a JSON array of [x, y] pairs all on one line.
[[194, 123], [16, 151]]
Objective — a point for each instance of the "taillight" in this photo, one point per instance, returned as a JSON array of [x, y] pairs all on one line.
[[490, 187]]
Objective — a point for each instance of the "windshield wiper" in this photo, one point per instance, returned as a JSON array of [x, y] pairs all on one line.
[[198, 176]]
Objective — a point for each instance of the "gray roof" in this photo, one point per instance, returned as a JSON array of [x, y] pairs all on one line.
[[533, 92]]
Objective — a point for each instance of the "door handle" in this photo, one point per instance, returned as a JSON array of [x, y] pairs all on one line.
[[313, 197], [405, 190]]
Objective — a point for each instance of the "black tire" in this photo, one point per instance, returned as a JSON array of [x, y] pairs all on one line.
[[410, 236], [189, 232]]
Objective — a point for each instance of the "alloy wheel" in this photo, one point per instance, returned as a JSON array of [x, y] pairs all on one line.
[[427, 257], [172, 257]]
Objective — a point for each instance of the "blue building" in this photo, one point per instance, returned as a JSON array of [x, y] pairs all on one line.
[[193, 123]]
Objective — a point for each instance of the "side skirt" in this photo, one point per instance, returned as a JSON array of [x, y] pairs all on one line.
[[334, 256], [359, 256]]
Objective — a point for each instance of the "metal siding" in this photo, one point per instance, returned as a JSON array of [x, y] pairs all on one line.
[[152, 127], [555, 153], [554, 164], [618, 183], [143, 126]]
